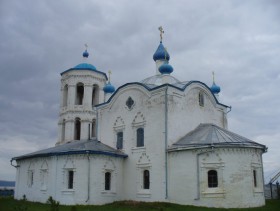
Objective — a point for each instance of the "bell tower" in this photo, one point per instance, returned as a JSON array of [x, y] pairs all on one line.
[[81, 89]]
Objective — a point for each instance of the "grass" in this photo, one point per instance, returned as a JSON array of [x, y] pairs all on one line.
[[9, 204]]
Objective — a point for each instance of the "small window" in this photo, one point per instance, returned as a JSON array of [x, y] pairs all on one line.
[[119, 140], [212, 179], [107, 181], [255, 178], [140, 137], [70, 179], [146, 179], [201, 99]]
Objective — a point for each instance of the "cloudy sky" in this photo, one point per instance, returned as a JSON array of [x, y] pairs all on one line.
[[239, 40]]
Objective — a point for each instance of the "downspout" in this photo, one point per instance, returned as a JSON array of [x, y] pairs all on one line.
[[96, 126], [17, 178], [265, 150], [88, 188], [166, 135], [197, 171]]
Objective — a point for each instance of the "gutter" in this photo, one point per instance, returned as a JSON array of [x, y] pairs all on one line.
[[88, 188], [166, 133], [11, 162]]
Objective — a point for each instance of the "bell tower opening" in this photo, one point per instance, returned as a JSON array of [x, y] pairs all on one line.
[[77, 132], [95, 96], [79, 94], [65, 95]]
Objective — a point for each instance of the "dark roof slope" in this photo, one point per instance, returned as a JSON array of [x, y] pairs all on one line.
[[210, 135], [77, 147]]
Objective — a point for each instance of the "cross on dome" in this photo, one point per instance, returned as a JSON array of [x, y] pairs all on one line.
[[109, 73], [85, 53], [161, 32]]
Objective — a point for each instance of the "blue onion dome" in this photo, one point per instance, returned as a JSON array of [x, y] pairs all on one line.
[[161, 53], [215, 89], [108, 88], [85, 54], [85, 66], [165, 69]]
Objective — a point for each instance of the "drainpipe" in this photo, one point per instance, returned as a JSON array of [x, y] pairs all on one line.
[[197, 170], [166, 153], [262, 172], [88, 188], [96, 125], [17, 177]]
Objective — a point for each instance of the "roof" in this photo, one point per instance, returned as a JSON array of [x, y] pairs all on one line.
[[77, 147], [210, 135], [150, 86], [85, 66]]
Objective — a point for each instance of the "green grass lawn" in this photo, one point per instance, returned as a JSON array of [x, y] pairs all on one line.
[[9, 204]]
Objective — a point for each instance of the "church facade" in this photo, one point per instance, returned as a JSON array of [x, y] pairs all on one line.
[[159, 139]]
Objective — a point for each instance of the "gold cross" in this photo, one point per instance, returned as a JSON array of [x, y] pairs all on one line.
[[161, 32], [109, 73], [213, 73]]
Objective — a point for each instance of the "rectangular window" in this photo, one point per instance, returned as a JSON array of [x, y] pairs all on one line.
[[119, 140], [140, 137], [212, 179], [146, 179], [255, 178], [107, 181], [70, 179]]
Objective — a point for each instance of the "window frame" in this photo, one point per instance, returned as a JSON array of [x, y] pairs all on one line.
[[30, 181]]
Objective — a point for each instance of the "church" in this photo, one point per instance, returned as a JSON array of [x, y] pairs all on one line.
[[159, 139]]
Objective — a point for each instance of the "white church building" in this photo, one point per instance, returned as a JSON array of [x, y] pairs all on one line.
[[159, 139]]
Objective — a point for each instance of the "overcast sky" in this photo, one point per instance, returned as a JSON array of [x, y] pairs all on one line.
[[239, 40]]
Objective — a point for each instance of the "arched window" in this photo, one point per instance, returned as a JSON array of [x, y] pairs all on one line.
[[108, 181], [201, 99], [79, 94], [119, 140], [140, 137], [146, 179], [65, 95], [77, 134], [95, 99], [63, 130], [212, 179]]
